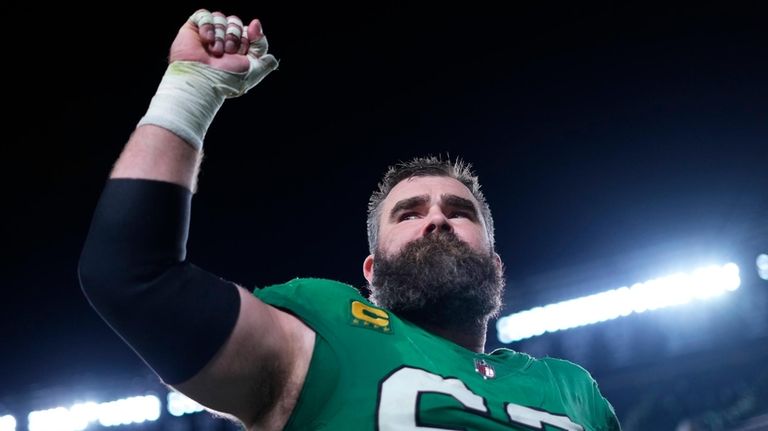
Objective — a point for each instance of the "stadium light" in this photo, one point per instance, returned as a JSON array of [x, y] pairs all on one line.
[[179, 405], [78, 417], [7, 423], [675, 289], [762, 266]]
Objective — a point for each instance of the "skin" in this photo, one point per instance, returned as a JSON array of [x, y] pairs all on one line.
[[258, 373], [426, 205], [422, 218], [239, 380]]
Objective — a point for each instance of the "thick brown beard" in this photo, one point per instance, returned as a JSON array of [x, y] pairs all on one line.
[[439, 280]]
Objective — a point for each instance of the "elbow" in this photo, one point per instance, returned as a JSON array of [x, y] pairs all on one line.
[[109, 273], [96, 273], [102, 275]]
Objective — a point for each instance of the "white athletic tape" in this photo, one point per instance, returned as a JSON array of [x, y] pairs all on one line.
[[219, 20], [232, 19], [191, 93], [219, 25], [258, 47], [188, 98], [234, 30], [201, 18]]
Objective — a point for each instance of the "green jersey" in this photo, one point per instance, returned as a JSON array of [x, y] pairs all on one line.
[[371, 370]]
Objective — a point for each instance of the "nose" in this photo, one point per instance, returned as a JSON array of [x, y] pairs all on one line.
[[436, 222]]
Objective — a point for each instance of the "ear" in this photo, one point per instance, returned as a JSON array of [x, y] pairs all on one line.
[[368, 268], [499, 263]]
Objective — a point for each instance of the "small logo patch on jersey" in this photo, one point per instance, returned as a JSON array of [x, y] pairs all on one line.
[[370, 317], [484, 369]]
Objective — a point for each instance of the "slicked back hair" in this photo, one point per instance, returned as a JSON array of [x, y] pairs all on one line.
[[429, 166]]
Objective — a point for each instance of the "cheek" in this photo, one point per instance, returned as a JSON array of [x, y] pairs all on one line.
[[395, 238], [474, 236]]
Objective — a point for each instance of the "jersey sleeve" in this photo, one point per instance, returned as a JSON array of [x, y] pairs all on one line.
[[580, 390], [604, 410], [317, 302], [356, 346]]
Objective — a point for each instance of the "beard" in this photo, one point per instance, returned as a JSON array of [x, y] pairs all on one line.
[[439, 280]]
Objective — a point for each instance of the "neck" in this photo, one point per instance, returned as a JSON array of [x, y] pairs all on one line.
[[470, 337]]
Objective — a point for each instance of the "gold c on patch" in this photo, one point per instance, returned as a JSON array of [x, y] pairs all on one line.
[[368, 316]]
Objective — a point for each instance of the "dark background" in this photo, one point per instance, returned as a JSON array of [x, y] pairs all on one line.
[[615, 144]]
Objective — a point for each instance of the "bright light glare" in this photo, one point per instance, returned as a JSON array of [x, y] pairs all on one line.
[[78, 417], [762, 266], [7, 423], [179, 404], [675, 289], [83, 414]]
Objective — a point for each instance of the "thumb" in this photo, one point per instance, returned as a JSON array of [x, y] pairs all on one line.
[[260, 67]]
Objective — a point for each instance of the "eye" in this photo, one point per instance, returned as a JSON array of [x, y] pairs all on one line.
[[408, 216], [460, 214]]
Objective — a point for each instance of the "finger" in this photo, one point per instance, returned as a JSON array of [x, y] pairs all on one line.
[[203, 19], [260, 67], [257, 45], [243, 42], [220, 28], [233, 35], [268, 62]]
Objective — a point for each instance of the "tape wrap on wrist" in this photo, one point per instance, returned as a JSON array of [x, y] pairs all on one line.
[[188, 98]]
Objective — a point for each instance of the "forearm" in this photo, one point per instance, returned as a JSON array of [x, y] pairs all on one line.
[[155, 153], [168, 142], [133, 267]]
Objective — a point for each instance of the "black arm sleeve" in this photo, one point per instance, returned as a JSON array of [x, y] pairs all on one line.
[[133, 271]]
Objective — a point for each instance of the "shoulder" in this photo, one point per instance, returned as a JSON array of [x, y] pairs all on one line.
[[566, 370], [320, 303], [310, 283], [571, 378], [561, 372], [320, 288], [578, 386]]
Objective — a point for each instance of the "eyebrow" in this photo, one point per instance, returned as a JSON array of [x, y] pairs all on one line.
[[449, 200], [407, 204], [460, 203]]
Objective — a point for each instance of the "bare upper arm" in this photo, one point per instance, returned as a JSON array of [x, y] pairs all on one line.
[[258, 372]]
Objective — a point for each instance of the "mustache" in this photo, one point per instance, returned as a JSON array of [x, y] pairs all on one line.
[[434, 242], [439, 278]]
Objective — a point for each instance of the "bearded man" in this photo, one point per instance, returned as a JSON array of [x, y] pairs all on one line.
[[314, 354]]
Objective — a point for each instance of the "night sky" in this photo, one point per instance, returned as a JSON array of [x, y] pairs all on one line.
[[597, 132]]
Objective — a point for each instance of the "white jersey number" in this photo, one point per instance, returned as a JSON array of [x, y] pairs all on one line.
[[399, 403]]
